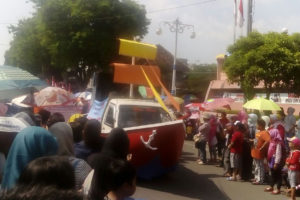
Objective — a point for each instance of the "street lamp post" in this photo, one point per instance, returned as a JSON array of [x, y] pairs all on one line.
[[176, 27]]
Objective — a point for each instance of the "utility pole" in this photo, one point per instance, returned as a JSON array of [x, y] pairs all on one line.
[[250, 17]]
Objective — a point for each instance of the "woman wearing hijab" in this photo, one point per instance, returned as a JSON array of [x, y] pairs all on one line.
[[64, 135], [267, 120], [115, 146], [276, 160], [290, 123], [212, 138], [92, 141], [252, 122], [277, 124], [31, 143]]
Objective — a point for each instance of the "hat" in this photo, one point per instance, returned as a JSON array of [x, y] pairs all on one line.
[[294, 140], [206, 116]]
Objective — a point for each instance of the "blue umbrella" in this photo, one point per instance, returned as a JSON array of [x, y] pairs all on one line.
[[15, 81]]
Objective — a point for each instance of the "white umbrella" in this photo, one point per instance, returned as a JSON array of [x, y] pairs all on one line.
[[11, 124], [19, 101]]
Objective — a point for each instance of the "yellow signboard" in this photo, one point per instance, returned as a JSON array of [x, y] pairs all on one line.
[[137, 49]]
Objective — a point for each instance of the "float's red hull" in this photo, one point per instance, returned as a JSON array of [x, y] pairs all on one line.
[[168, 141]]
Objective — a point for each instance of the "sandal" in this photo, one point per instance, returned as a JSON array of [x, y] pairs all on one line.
[[275, 192], [226, 175], [268, 189]]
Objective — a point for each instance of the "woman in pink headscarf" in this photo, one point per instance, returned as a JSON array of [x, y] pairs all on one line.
[[212, 138], [276, 159]]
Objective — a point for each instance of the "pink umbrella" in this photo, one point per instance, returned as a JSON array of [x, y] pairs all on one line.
[[199, 106], [53, 96], [217, 103]]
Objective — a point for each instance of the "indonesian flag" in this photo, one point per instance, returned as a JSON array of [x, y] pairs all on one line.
[[241, 14]]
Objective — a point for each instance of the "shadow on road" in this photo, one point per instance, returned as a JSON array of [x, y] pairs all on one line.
[[186, 182]]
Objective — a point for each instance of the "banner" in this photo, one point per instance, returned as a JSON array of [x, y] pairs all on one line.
[[157, 96], [97, 110], [137, 49], [170, 97], [132, 74]]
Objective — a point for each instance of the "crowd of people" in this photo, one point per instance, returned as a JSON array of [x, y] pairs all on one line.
[[261, 149], [53, 159]]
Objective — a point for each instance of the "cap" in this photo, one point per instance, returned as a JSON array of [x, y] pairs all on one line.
[[294, 140]]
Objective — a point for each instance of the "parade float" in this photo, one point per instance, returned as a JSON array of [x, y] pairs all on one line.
[[156, 139]]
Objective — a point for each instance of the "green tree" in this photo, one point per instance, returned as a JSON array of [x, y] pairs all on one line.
[[198, 79], [78, 34], [268, 58]]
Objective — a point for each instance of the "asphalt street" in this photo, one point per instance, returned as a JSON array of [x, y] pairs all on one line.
[[193, 181]]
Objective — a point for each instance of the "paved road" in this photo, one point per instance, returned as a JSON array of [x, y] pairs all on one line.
[[193, 181]]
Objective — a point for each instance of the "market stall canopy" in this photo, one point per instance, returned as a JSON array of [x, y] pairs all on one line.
[[261, 104], [15, 81]]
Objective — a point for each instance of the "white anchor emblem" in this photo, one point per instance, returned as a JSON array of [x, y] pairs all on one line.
[[148, 143]]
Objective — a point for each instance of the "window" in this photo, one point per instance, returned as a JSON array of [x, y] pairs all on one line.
[[109, 120], [133, 115]]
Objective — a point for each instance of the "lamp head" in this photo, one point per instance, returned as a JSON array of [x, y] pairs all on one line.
[[159, 31], [285, 30]]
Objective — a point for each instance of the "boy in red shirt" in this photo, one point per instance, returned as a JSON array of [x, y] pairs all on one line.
[[236, 149], [293, 163]]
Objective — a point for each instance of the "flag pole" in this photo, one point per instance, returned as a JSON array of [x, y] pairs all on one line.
[[234, 21]]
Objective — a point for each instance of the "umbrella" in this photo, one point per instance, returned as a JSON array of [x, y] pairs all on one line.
[[19, 101], [195, 106], [261, 104], [213, 104], [11, 124], [15, 82], [85, 95], [53, 96]]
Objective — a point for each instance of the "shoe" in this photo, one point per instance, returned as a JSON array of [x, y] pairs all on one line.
[[275, 192], [257, 183], [230, 179], [268, 189], [201, 163]]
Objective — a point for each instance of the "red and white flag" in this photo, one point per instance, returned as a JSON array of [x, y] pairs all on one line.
[[241, 14]]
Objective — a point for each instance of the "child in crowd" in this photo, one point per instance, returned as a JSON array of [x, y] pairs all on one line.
[[276, 159], [259, 151], [236, 149], [293, 164]]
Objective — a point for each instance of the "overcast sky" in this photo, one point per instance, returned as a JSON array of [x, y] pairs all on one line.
[[213, 22]]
